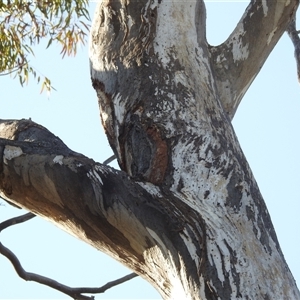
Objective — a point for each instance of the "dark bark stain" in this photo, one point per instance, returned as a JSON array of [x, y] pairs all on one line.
[[160, 158], [234, 272], [145, 152], [105, 102], [206, 194], [6, 185], [138, 150], [266, 297], [235, 192], [39, 137]]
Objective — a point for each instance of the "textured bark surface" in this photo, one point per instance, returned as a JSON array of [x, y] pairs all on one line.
[[185, 211]]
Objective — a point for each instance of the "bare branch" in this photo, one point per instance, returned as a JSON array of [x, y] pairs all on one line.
[[75, 293], [113, 283], [38, 278], [109, 160], [16, 220]]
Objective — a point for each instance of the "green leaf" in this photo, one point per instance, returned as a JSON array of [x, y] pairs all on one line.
[[49, 43], [23, 24]]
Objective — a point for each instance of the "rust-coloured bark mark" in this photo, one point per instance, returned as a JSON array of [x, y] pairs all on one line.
[[160, 159]]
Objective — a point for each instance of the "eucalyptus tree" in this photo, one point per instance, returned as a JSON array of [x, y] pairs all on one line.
[[185, 211]]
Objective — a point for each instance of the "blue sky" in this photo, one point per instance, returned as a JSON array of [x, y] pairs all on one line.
[[267, 124]]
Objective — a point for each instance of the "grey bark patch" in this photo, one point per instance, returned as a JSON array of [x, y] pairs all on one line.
[[235, 193], [138, 152]]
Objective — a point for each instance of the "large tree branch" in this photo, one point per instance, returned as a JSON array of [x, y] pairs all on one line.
[[96, 203], [38, 174], [75, 293], [239, 59]]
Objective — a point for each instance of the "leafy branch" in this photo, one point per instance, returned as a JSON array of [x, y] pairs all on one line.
[[24, 24]]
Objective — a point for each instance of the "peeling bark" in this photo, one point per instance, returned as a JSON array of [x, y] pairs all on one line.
[[185, 212]]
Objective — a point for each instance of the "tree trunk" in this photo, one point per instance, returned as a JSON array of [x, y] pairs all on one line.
[[185, 211]]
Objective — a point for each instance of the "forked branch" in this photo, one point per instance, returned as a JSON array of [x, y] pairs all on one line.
[[75, 293]]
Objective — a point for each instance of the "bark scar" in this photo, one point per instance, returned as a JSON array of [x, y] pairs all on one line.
[[160, 158]]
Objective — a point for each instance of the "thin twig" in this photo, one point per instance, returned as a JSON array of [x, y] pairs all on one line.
[[109, 160], [14, 69], [38, 278], [16, 220], [75, 293]]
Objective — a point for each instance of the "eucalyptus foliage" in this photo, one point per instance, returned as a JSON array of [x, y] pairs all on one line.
[[24, 24]]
